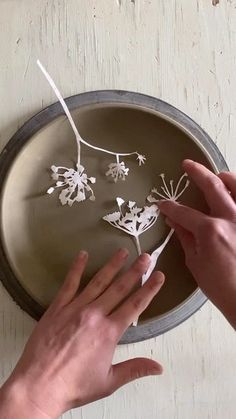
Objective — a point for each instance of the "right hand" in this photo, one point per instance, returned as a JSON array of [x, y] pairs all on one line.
[[209, 241]]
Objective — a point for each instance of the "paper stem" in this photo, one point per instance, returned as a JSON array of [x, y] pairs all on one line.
[[73, 126], [64, 106], [137, 243]]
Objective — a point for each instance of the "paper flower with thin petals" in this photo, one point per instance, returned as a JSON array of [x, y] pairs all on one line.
[[75, 184], [117, 171], [169, 192]]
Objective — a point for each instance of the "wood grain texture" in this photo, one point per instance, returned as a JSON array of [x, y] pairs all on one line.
[[183, 52]]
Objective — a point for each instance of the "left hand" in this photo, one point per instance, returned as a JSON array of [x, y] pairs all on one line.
[[67, 361]]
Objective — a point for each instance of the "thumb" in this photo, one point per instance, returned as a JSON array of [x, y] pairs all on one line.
[[131, 370]]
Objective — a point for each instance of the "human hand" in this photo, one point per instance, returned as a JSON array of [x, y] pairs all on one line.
[[67, 361], [209, 241]]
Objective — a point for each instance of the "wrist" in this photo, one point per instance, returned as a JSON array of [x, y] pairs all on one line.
[[15, 402]]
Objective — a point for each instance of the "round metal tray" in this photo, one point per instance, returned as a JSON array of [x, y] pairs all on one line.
[[39, 237]]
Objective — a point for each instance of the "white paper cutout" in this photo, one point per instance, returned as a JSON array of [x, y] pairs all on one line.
[[134, 220], [172, 193], [75, 183], [116, 170], [141, 159]]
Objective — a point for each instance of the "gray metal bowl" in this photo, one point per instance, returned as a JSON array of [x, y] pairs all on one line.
[[103, 114]]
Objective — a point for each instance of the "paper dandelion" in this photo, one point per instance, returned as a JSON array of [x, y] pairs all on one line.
[[75, 184], [116, 170], [133, 220], [169, 192]]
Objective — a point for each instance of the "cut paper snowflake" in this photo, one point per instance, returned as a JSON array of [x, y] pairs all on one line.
[[75, 184], [169, 193], [116, 170], [133, 220]]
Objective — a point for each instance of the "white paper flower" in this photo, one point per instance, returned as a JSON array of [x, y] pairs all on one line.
[[117, 171], [134, 220], [169, 192], [74, 191], [75, 184], [141, 159]]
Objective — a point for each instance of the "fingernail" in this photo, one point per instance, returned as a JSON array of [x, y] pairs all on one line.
[[123, 253], [188, 161], [157, 370], [144, 258], [83, 254], [159, 277]]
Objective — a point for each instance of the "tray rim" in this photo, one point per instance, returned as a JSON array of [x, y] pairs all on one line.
[[189, 306]]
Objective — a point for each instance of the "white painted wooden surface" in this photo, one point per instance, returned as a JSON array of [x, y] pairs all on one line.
[[182, 51]]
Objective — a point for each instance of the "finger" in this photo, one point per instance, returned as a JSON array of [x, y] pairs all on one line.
[[72, 281], [186, 217], [186, 239], [103, 277], [214, 190], [122, 287], [132, 369], [229, 180], [131, 309]]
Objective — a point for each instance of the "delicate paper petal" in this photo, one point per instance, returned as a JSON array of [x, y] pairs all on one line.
[[141, 159], [50, 190], [115, 216], [59, 183], [169, 192], [75, 183], [131, 204], [119, 201], [117, 171], [92, 179]]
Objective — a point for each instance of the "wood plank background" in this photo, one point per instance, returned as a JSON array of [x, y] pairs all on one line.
[[182, 51]]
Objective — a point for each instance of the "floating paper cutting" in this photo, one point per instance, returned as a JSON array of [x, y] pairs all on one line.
[[133, 220], [117, 171], [169, 192], [75, 183], [75, 180]]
